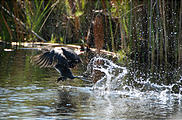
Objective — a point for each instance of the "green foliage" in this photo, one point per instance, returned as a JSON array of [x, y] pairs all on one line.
[[5, 35], [35, 13], [61, 40], [53, 38], [145, 27], [79, 13], [122, 56], [68, 9]]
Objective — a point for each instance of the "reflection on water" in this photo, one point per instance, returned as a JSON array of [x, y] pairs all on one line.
[[28, 92]]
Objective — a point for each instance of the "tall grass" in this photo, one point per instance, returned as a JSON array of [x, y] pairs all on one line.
[[35, 13], [24, 15], [147, 31], [6, 33], [180, 35]]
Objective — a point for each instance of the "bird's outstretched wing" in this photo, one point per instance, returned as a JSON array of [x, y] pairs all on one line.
[[50, 59]]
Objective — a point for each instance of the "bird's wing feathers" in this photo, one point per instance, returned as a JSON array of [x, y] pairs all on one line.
[[63, 56], [41, 59], [50, 59], [70, 55]]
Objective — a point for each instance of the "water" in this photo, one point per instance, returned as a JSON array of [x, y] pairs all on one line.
[[28, 92]]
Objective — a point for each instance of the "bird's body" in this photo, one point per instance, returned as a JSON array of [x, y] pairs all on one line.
[[61, 58]]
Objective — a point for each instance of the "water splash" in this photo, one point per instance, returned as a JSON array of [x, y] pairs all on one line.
[[110, 74], [113, 80], [115, 95]]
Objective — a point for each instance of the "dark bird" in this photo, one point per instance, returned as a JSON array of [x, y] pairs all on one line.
[[61, 58]]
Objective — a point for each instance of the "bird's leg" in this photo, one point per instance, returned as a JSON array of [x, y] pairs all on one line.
[[61, 78]]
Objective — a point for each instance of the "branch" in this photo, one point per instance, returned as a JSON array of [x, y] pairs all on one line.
[[21, 23]]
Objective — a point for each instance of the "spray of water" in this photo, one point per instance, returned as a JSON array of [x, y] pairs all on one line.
[[113, 80], [115, 95]]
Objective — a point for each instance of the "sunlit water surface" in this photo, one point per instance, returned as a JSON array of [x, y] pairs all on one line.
[[28, 92]]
